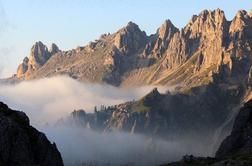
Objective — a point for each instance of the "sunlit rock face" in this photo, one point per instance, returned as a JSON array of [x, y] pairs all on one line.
[[208, 47], [39, 55], [130, 39], [23, 67]]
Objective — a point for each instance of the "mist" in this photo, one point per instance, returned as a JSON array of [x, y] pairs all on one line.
[[79, 146], [47, 100]]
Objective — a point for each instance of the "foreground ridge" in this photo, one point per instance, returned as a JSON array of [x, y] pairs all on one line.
[[23, 145]]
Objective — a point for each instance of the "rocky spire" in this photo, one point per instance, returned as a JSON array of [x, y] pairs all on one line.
[[206, 22], [23, 67], [240, 21], [54, 49], [166, 29], [39, 55], [131, 26], [164, 35]]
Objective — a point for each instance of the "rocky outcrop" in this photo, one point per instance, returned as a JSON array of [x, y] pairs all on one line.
[[22, 68], [23, 145], [130, 39], [163, 38], [54, 49], [39, 55], [240, 140]]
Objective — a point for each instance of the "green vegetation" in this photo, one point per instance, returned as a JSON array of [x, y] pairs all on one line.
[[140, 107]]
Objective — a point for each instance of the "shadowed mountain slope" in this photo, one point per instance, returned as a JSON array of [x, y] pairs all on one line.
[[23, 145]]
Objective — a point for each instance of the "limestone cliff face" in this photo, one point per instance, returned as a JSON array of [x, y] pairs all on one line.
[[206, 33], [209, 47]]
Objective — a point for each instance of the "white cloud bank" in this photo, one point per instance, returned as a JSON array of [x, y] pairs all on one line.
[[49, 99]]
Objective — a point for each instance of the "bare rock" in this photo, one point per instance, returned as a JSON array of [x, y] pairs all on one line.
[[22, 68], [54, 49], [23, 145], [39, 55], [130, 39]]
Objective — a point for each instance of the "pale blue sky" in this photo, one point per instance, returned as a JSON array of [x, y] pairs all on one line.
[[70, 23]]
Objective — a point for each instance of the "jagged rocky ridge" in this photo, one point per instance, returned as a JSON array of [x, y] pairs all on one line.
[[236, 149], [23, 145], [208, 46]]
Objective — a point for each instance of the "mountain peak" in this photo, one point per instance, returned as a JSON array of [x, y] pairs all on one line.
[[166, 29], [132, 25], [205, 22], [164, 35], [38, 46], [215, 11], [241, 14], [54, 49], [130, 38], [216, 15], [240, 21], [168, 22], [39, 54]]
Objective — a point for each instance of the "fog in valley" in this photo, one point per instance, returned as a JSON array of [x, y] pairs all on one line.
[[47, 100]]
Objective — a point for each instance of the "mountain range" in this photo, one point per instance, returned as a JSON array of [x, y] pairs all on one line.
[[209, 62], [208, 47]]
